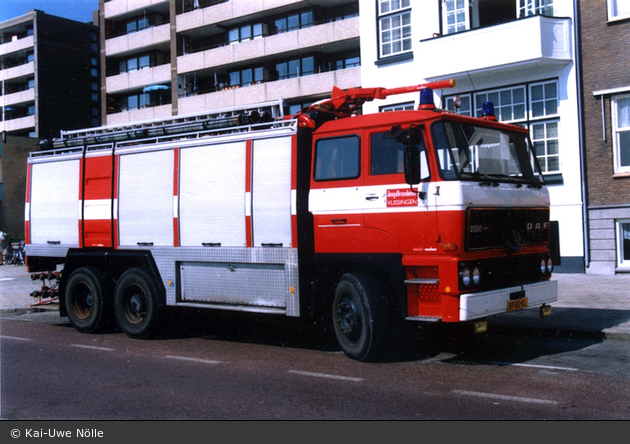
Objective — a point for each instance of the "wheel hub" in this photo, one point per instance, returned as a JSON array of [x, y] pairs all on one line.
[[349, 318]]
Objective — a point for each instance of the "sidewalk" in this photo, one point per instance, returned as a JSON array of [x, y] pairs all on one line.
[[587, 304]]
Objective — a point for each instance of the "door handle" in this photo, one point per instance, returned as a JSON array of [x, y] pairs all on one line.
[[371, 197]]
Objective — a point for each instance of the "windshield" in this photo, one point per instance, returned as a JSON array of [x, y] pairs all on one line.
[[470, 152]]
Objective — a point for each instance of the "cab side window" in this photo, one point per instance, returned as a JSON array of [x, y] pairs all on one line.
[[337, 158], [387, 155]]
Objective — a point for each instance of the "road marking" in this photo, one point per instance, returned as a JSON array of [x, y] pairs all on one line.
[[185, 358], [7, 279], [505, 397], [93, 347], [545, 367], [15, 338], [325, 375]]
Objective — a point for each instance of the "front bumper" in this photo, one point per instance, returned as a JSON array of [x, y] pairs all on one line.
[[489, 303]]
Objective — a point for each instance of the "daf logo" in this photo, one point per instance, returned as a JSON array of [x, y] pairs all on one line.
[[537, 226]]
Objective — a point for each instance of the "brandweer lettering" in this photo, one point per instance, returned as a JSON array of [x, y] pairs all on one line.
[[54, 433], [401, 198]]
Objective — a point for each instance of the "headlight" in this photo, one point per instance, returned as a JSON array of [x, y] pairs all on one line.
[[543, 266], [476, 275], [466, 276], [549, 265]]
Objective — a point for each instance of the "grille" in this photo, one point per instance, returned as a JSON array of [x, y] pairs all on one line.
[[510, 228]]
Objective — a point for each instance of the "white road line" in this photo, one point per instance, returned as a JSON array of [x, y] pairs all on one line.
[[545, 367], [185, 358], [6, 279], [93, 347], [15, 338], [505, 397], [325, 375]]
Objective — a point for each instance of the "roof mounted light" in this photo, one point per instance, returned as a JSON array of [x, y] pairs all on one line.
[[488, 111], [426, 99]]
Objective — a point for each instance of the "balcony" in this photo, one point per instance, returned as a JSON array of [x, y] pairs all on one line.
[[313, 85], [302, 39], [114, 8], [138, 79], [22, 123], [17, 45], [222, 12], [137, 40], [139, 115], [16, 98], [535, 42], [27, 69]]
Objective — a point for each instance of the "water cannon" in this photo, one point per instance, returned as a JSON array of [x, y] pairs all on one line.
[[344, 103]]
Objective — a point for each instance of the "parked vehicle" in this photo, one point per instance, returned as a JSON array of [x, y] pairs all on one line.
[[372, 221]]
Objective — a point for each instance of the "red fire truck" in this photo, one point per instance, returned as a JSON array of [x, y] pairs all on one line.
[[373, 221]]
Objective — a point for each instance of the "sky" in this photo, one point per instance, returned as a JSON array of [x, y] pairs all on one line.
[[79, 10]]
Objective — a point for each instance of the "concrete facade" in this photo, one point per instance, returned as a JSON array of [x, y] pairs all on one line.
[[164, 58]]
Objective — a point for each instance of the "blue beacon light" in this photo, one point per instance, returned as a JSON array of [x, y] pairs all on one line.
[[426, 98], [488, 111]]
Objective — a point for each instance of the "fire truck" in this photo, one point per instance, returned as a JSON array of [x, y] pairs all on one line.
[[370, 221]]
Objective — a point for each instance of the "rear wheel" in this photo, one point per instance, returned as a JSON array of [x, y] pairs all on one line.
[[86, 297], [360, 317], [136, 303]]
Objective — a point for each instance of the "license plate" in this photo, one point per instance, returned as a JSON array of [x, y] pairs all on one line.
[[517, 304]]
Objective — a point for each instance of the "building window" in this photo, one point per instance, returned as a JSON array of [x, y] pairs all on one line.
[[509, 103], [534, 106], [394, 27], [545, 140], [408, 106], [456, 15], [621, 132], [460, 104], [534, 7], [292, 22], [623, 244], [295, 68], [618, 9], [544, 99]]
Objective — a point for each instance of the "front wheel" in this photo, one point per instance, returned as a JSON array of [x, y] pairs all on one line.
[[136, 303], [360, 317]]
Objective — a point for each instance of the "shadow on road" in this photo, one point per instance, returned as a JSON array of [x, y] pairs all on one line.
[[518, 339]]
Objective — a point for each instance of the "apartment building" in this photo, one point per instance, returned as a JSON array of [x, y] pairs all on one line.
[[165, 58], [50, 75], [604, 36], [518, 54]]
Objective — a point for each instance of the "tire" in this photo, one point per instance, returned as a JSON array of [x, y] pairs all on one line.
[[361, 318], [136, 303], [87, 300]]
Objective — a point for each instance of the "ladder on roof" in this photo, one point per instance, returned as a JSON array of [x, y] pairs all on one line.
[[243, 118]]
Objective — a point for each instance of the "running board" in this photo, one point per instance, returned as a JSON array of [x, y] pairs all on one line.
[[424, 318], [421, 281]]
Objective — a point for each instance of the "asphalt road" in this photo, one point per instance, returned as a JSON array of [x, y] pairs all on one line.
[[264, 368]]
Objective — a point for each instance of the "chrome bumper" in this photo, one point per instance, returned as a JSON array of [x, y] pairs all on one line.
[[488, 303]]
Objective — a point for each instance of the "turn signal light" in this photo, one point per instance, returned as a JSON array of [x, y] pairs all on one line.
[[449, 247]]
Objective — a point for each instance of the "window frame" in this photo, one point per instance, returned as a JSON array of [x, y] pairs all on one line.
[[620, 248], [318, 154], [618, 168], [389, 13], [613, 15]]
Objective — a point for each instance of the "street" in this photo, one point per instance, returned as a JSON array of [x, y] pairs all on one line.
[[264, 368]]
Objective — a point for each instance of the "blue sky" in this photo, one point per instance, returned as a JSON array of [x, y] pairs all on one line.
[[79, 10]]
